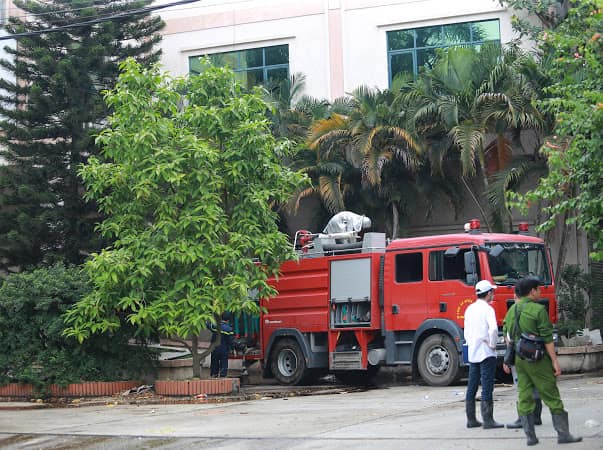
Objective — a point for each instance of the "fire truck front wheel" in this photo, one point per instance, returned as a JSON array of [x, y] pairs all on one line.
[[288, 363], [438, 360]]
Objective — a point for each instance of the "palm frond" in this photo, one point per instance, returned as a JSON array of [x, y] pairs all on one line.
[[468, 139], [336, 123], [330, 193], [293, 205]]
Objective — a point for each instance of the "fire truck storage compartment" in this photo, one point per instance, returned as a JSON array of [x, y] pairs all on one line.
[[351, 293]]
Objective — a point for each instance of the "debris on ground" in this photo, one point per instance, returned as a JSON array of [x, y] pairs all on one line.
[[139, 390]]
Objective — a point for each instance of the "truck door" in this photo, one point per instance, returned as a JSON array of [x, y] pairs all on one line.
[[452, 275], [404, 290]]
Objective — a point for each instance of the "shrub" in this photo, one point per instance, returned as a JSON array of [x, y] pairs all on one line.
[[34, 349], [577, 298]]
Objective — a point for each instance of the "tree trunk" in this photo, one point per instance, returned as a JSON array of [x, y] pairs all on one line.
[[196, 358], [561, 255], [395, 221], [481, 210], [565, 230]]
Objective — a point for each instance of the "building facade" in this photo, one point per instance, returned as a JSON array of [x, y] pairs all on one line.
[[337, 45]]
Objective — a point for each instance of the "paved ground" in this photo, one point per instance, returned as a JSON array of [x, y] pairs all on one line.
[[393, 417]]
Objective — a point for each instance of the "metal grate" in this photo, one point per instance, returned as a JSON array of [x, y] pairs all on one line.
[[346, 361]]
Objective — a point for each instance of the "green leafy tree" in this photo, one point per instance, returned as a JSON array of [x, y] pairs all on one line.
[[51, 109], [291, 111], [34, 349], [572, 189], [549, 13], [470, 102], [190, 174]]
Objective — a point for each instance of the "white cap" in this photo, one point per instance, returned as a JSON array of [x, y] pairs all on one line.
[[483, 286]]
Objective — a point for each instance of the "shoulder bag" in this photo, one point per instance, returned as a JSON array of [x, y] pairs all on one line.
[[529, 347]]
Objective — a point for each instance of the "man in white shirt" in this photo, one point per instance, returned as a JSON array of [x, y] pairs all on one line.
[[481, 334]]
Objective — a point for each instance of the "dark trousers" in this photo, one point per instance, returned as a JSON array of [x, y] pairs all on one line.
[[483, 373], [219, 362]]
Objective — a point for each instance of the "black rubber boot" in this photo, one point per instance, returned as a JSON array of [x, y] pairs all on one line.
[[487, 412], [538, 412], [472, 422], [561, 424], [517, 423], [528, 428]]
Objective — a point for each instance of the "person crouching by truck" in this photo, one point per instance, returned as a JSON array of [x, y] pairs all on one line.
[[481, 335], [219, 355]]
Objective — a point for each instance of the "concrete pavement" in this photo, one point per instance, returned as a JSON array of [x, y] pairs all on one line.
[[417, 417]]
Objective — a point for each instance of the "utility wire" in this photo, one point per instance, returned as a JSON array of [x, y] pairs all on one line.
[[58, 11], [26, 16], [122, 15]]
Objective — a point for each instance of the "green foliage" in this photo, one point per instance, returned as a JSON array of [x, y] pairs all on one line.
[[549, 13], [34, 349], [189, 174], [51, 106], [575, 287], [466, 106], [574, 182], [357, 149]]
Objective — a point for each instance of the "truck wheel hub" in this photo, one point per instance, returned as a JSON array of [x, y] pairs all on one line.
[[287, 362], [438, 360]]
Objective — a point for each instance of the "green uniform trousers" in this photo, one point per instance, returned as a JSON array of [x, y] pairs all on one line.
[[539, 375]]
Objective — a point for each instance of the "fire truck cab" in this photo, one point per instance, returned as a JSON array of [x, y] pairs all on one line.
[[349, 308]]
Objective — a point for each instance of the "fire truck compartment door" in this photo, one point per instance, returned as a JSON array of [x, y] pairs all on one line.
[[350, 293]]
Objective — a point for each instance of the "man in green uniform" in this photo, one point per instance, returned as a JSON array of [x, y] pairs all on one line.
[[534, 319]]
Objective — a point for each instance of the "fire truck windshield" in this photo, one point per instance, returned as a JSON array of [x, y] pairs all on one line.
[[519, 260]]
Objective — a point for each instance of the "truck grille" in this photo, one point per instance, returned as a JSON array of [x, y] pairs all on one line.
[[346, 361]]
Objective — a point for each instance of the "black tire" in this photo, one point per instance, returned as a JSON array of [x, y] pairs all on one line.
[[288, 364], [438, 360]]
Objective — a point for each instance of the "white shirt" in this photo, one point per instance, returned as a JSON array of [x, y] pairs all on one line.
[[481, 331]]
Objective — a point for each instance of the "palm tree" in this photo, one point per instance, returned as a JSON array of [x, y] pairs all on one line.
[[474, 100], [292, 112], [368, 135]]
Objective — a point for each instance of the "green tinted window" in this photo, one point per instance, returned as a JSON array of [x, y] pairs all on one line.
[[277, 55], [429, 37], [398, 40], [252, 67], [411, 50], [457, 33], [402, 62], [487, 30]]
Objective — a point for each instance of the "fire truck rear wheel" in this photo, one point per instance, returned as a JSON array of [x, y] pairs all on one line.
[[288, 363], [438, 360]]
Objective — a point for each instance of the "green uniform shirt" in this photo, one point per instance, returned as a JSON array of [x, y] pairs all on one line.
[[533, 319]]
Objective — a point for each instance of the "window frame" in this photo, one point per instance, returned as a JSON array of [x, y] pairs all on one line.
[[240, 69], [407, 256], [414, 49]]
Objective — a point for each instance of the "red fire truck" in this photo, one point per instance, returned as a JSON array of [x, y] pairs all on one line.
[[349, 308]]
